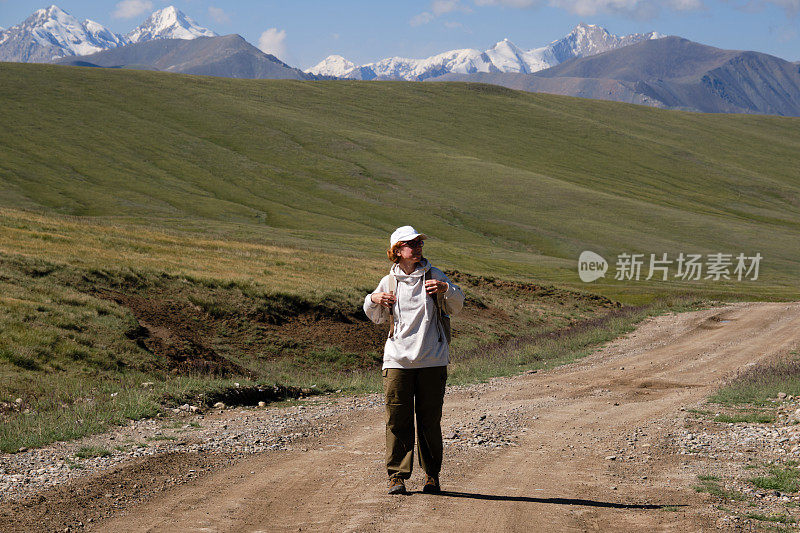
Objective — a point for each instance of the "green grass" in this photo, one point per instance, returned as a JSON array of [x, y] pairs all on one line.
[[710, 485], [783, 519], [760, 384], [243, 205], [90, 452], [783, 478], [527, 181], [749, 417]]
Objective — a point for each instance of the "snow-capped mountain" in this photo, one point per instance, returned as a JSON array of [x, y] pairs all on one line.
[[168, 23], [52, 33], [505, 56]]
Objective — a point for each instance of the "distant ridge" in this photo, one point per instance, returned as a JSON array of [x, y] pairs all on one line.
[[672, 73], [505, 56], [229, 56]]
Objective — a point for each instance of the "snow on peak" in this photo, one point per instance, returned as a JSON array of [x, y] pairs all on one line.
[[333, 65], [168, 23], [508, 57], [52, 33], [504, 56], [590, 39]]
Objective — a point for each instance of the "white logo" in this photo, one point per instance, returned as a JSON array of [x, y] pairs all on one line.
[[591, 266]]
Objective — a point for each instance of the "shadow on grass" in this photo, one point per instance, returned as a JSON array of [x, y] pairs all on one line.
[[557, 501]]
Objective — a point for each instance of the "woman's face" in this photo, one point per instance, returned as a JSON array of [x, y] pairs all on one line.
[[411, 251]]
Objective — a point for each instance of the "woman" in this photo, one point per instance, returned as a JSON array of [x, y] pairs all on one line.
[[415, 357]]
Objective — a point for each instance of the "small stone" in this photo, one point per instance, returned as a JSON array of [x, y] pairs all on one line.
[[219, 405], [622, 368], [147, 384], [452, 436], [531, 372], [782, 395], [194, 409], [614, 487], [262, 404], [18, 401], [611, 458]]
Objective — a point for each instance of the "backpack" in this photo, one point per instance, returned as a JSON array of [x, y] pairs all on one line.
[[442, 317]]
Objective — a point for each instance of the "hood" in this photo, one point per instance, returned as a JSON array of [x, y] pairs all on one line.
[[419, 272]]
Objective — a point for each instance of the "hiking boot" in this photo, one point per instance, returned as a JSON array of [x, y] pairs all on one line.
[[396, 486], [431, 485]]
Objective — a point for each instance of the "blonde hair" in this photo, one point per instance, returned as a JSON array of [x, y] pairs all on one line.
[[392, 252]]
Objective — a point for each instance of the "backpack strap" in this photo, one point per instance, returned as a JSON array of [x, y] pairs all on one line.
[[392, 290], [437, 303]]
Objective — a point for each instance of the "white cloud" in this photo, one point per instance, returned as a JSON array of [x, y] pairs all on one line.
[[441, 7], [593, 7], [438, 8], [273, 41], [686, 5], [508, 3], [219, 15], [131, 8], [792, 7], [632, 8], [423, 18]]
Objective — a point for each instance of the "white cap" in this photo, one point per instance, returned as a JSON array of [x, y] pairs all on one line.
[[405, 234]]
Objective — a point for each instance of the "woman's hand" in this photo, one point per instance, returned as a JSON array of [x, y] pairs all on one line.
[[386, 299], [434, 286]]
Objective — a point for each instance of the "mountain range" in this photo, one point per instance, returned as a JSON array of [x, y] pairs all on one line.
[[50, 34], [670, 73], [585, 40], [229, 56], [589, 62]]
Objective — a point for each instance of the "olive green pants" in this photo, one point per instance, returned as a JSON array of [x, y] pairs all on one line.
[[410, 391]]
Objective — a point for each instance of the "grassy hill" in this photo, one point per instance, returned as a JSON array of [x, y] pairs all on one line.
[[192, 233], [510, 182]]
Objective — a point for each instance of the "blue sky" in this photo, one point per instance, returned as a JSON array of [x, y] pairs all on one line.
[[303, 32]]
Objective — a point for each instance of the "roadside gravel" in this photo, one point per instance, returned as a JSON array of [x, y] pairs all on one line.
[[232, 432]]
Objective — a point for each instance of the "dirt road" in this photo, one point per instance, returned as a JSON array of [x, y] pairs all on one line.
[[592, 448]]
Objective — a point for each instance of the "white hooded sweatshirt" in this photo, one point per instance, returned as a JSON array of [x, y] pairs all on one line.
[[418, 340]]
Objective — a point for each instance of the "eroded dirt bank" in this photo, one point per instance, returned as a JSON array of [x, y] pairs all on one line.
[[588, 446]]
